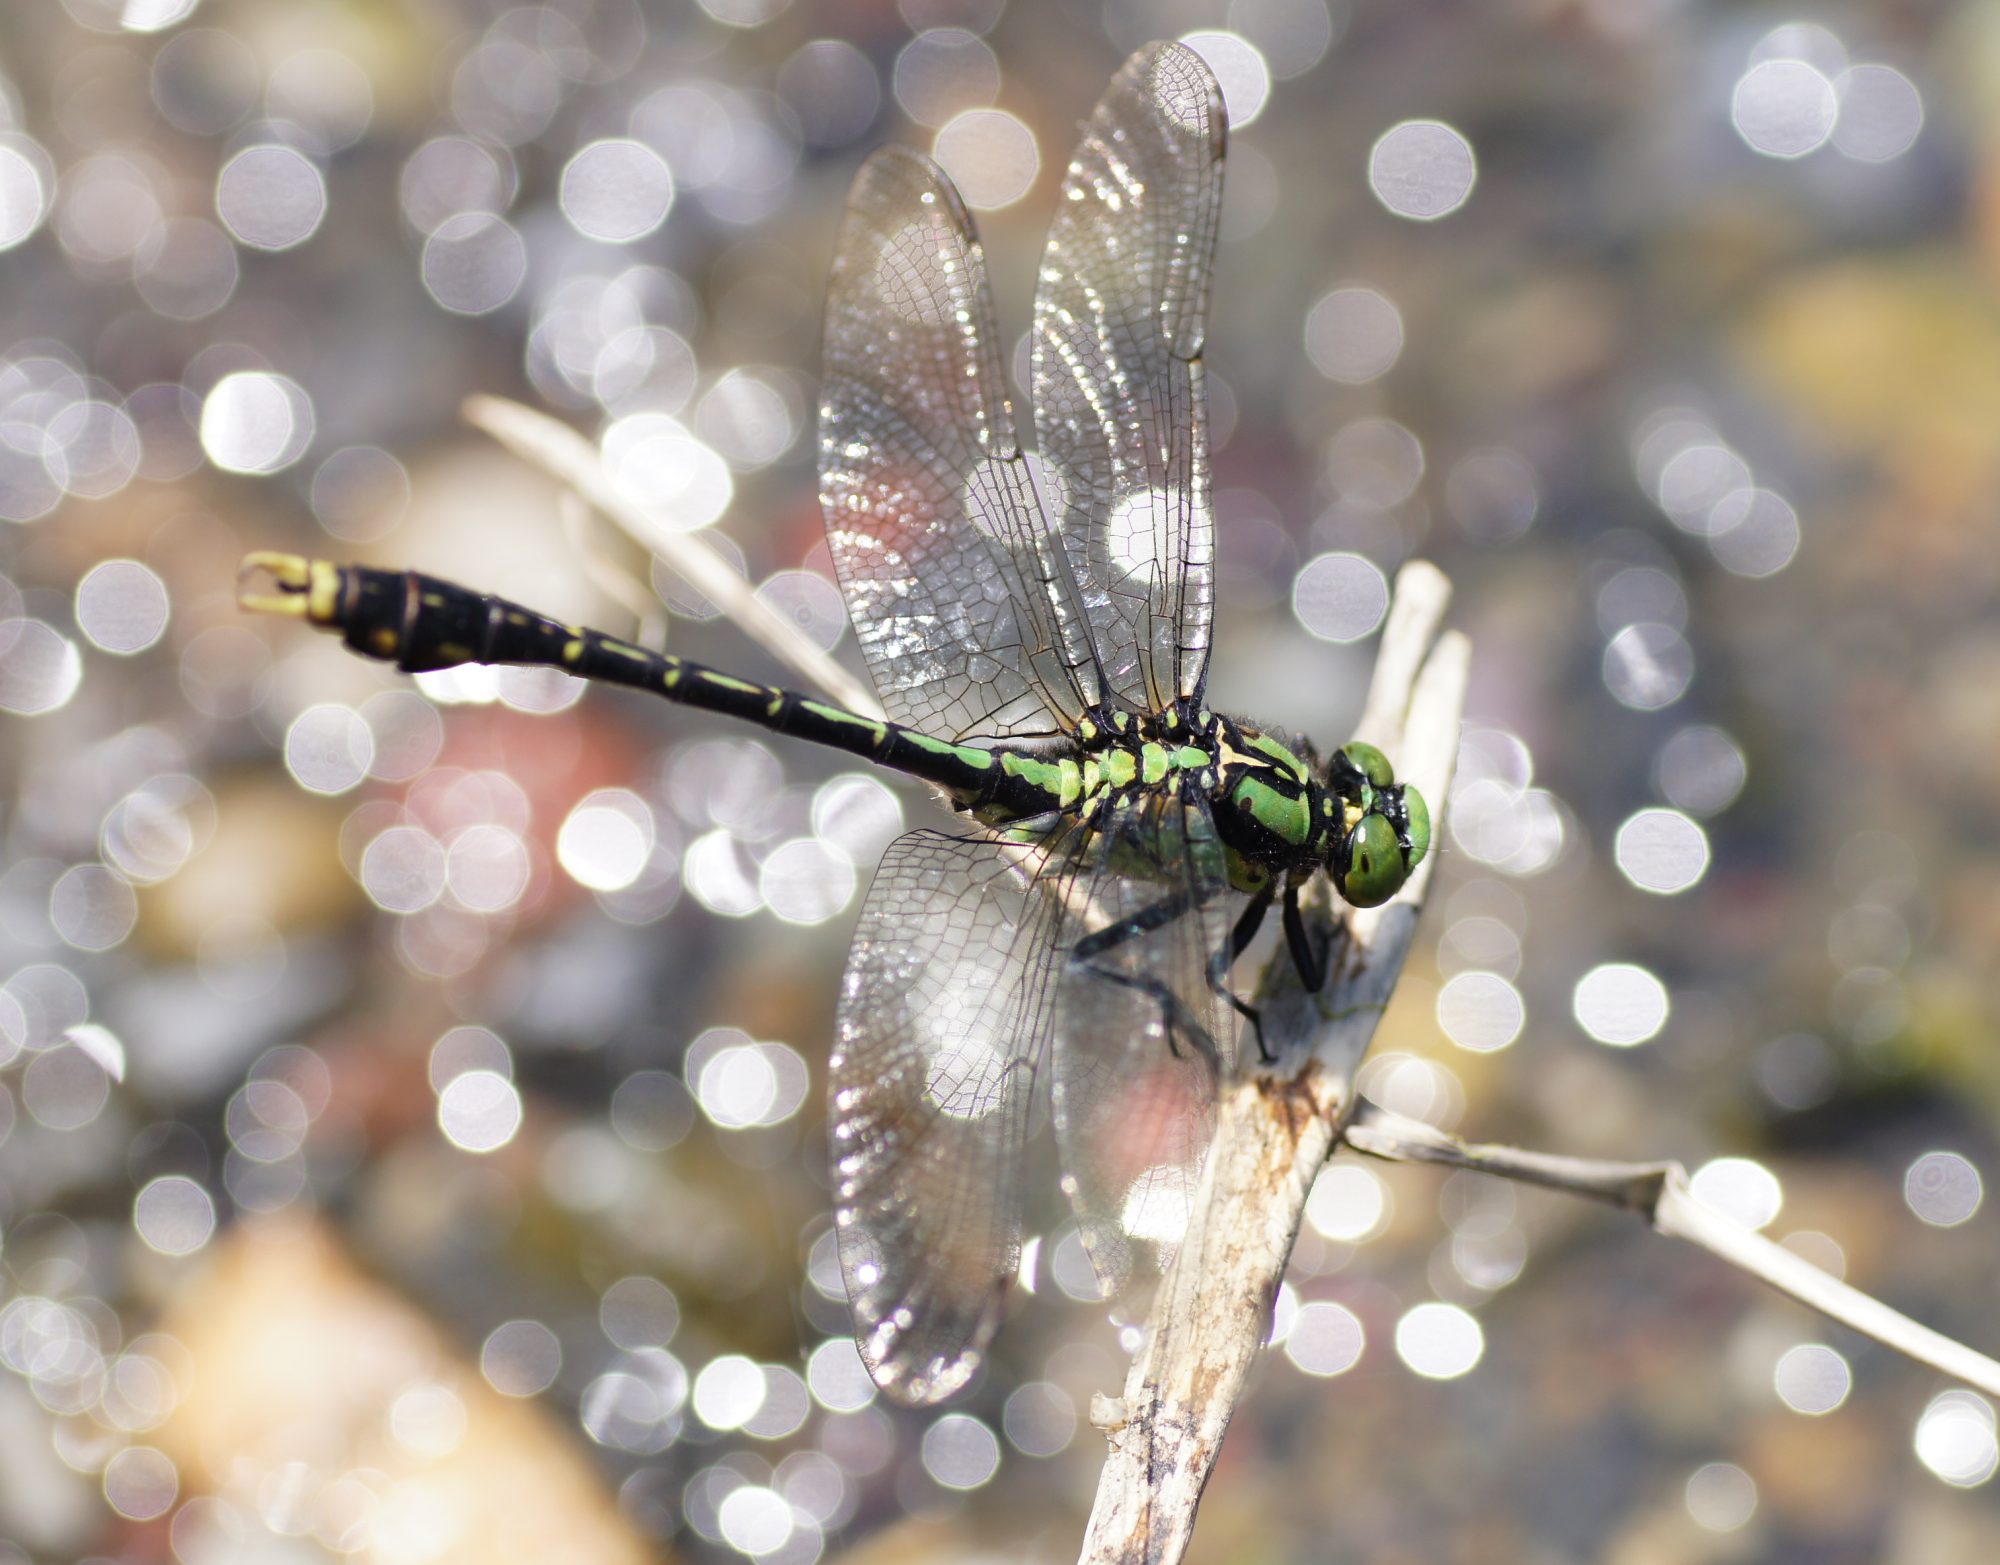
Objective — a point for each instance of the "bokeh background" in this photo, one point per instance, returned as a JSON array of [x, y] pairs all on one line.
[[410, 1131]]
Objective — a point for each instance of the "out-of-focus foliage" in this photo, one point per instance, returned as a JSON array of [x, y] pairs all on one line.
[[410, 1143]]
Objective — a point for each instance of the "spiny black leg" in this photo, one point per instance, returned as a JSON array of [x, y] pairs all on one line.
[[1312, 965], [1247, 925], [1158, 916], [1174, 1016]]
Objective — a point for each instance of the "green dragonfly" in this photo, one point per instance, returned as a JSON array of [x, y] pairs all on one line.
[[1037, 627]]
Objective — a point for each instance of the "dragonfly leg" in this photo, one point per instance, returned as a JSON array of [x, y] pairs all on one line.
[[1247, 925], [1111, 936], [1173, 1012], [1174, 1016], [1312, 965]]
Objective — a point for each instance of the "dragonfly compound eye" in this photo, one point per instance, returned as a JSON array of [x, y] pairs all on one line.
[[1416, 825], [1370, 763], [1374, 870]]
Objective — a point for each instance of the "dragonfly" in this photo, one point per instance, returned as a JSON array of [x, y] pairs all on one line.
[[1037, 626]]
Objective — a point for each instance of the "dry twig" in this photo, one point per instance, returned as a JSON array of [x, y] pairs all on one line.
[[1659, 1193], [1275, 1126], [556, 448]]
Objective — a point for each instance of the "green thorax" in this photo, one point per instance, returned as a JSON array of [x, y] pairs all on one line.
[[1271, 813]]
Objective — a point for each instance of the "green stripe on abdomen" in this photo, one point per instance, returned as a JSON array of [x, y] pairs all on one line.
[[420, 623]]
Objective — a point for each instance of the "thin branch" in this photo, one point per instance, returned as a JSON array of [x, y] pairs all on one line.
[[1659, 1193], [608, 575], [1274, 1128], [1395, 1138], [557, 449]]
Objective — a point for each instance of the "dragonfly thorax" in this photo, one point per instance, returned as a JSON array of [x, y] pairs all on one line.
[[1273, 814], [1282, 816], [1123, 752], [1277, 813], [1270, 808]]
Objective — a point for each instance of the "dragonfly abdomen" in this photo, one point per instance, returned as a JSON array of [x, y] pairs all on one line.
[[421, 623]]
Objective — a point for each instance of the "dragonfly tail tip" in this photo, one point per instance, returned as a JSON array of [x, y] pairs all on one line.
[[290, 574]]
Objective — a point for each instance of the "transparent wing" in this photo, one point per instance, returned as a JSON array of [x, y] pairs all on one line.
[[1120, 414], [942, 1024], [1141, 1037], [958, 592]]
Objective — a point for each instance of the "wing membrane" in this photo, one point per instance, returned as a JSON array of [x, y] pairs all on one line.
[[1141, 1037], [958, 592], [981, 614], [970, 955], [943, 1022], [1120, 413]]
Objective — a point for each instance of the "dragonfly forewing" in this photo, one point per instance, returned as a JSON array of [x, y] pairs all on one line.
[[955, 583], [1120, 414]]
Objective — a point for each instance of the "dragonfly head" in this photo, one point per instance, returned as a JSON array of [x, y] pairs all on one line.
[[1387, 826]]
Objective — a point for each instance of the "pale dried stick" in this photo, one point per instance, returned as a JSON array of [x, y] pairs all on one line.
[[1275, 1126], [1659, 1193], [554, 447], [610, 576], [561, 451]]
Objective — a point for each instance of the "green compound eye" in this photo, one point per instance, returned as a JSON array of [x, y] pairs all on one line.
[[1419, 816], [1375, 869], [1369, 762]]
